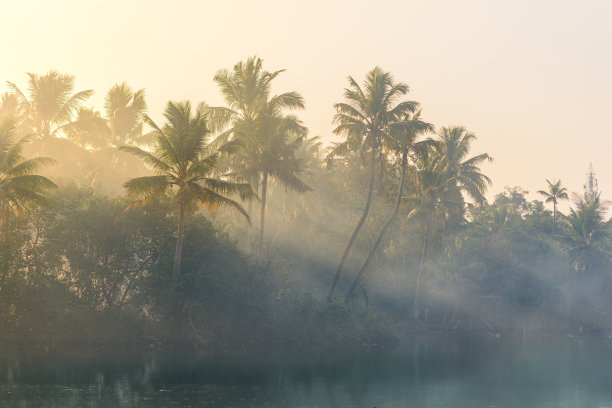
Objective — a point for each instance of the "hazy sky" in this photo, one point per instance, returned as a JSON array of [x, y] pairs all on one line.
[[532, 79]]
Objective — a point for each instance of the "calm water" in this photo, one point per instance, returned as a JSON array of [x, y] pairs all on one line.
[[427, 373]]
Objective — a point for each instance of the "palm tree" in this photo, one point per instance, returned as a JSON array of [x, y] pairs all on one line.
[[255, 122], [89, 130], [185, 168], [587, 230], [446, 175], [51, 104], [19, 185], [402, 142], [364, 120], [553, 195], [267, 148], [124, 109]]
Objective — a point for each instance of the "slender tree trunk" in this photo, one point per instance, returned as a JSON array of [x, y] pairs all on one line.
[[415, 304], [255, 185], [262, 215], [398, 202], [382, 172], [4, 218], [179, 242], [554, 217], [351, 240]]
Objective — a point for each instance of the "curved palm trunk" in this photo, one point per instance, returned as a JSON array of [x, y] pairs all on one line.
[[179, 242], [357, 228], [415, 304], [262, 214], [398, 201]]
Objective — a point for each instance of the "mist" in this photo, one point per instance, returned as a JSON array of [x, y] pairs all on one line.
[[231, 230]]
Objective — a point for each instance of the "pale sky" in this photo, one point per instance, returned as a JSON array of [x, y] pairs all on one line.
[[532, 79]]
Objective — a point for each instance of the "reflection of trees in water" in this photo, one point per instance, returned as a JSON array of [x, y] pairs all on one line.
[[433, 372]]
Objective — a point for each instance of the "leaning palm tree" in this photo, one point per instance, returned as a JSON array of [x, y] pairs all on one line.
[[553, 195], [402, 142], [186, 169], [446, 175], [19, 185], [364, 120], [51, 103]]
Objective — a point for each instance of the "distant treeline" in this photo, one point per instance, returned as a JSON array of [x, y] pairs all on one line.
[[229, 227]]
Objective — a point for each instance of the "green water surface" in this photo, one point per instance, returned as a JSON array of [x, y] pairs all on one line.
[[438, 372]]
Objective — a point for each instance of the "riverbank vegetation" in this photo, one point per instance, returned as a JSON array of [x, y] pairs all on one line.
[[231, 227]]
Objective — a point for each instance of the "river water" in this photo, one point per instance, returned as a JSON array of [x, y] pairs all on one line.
[[434, 372]]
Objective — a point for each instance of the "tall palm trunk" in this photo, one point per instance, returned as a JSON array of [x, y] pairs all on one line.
[[554, 216], [357, 228], [262, 214], [398, 201], [179, 242], [255, 186], [4, 218], [415, 304]]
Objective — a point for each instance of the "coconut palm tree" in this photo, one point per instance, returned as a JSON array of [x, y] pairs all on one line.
[[267, 148], [553, 195], [364, 120], [124, 109], [186, 169], [452, 146], [402, 142], [266, 139], [51, 104], [89, 130], [19, 185], [446, 175]]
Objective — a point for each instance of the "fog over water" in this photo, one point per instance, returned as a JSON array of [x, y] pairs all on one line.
[[431, 373]]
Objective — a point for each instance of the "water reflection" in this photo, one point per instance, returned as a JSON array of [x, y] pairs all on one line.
[[428, 373]]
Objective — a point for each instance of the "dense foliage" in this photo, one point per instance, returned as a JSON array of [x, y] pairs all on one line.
[[385, 233]]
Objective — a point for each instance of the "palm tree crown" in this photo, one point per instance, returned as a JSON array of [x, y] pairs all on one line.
[[555, 192], [125, 109], [553, 195], [451, 149], [365, 117], [51, 103], [246, 90], [89, 130]]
